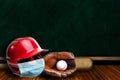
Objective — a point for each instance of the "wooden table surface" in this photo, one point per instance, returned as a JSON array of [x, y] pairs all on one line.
[[98, 72]]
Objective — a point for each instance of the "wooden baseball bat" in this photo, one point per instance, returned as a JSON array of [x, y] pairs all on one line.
[[81, 63]]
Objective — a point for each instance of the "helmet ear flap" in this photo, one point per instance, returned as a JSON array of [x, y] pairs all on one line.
[[14, 68]]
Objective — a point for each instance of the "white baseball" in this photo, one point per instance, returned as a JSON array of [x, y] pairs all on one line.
[[61, 65]]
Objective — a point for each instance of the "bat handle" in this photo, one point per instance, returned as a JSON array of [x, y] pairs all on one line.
[[3, 66], [83, 63]]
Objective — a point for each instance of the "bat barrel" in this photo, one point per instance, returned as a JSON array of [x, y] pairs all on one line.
[[83, 63]]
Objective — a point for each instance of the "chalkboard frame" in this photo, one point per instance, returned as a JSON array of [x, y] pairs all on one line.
[[93, 58]]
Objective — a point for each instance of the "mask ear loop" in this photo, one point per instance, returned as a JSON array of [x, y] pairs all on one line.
[[39, 56]]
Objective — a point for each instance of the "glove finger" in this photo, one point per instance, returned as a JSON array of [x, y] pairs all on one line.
[[65, 55], [52, 55], [59, 55], [50, 63]]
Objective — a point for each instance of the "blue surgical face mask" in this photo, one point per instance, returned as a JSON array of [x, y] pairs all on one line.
[[31, 68]]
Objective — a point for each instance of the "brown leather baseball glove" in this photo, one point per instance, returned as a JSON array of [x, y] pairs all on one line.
[[52, 58]]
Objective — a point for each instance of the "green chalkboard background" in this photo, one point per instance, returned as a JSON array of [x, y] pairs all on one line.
[[84, 27]]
